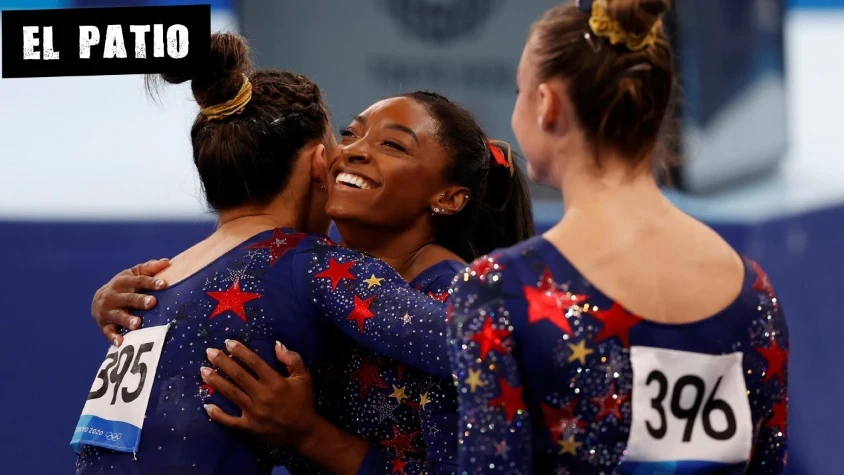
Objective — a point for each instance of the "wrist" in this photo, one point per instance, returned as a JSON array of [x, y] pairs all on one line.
[[307, 444]]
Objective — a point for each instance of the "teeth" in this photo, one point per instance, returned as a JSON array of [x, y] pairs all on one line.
[[353, 180]]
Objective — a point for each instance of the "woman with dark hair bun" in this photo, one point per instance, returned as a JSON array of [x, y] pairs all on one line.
[[414, 182], [629, 338]]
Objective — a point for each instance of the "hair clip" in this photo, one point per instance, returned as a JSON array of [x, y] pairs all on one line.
[[593, 42], [584, 5]]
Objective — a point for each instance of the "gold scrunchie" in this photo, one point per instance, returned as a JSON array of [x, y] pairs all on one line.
[[602, 25], [233, 106]]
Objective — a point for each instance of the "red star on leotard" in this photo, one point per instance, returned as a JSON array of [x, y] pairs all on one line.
[[617, 322], [336, 272], [609, 405], [232, 300], [776, 358], [780, 416], [361, 313], [279, 244], [489, 339], [559, 420], [398, 466], [401, 443], [369, 376], [483, 266], [510, 400], [762, 282], [547, 302], [449, 311], [442, 297]]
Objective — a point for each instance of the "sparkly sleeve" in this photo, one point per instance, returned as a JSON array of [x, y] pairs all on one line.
[[494, 426], [770, 450], [370, 303]]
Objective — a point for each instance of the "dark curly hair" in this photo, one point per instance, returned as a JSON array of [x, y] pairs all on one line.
[[248, 157]]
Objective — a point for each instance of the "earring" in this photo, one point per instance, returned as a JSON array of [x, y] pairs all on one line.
[[321, 187], [436, 212], [442, 195]]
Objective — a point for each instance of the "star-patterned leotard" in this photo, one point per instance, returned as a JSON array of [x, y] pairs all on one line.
[[279, 285], [409, 416], [555, 377]]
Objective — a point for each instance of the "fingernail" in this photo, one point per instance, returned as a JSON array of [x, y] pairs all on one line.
[[204, 371], [134, 321], [147, 301], [114, 342], [207, 408], [212, 353], [230, 344], [159, 283]]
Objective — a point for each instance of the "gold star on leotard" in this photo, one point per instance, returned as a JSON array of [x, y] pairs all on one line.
[[424, 400], [579, 352], [569, 446], [398, 393], [373, 281], [474, 380]]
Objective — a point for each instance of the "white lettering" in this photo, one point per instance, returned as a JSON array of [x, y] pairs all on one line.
[[88, 36], [49, 53], [140, 32], [158, 41], [177, 41], [114, 44], [30, 42]]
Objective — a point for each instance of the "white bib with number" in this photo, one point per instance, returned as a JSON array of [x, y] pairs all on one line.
[[114, 413], [688, 406]]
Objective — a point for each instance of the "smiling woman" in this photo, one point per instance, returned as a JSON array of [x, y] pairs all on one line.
[[430, 172]]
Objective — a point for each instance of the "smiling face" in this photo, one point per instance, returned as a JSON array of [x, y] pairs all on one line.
[[389, 167]]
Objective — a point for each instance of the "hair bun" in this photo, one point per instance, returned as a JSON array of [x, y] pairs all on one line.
[[222, 78], [637, 17]]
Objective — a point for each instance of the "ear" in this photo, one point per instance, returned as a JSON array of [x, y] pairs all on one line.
[[319, 166], [450, 200], [551, 116]]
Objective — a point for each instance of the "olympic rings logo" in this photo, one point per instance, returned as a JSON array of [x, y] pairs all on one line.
[[113, 436]]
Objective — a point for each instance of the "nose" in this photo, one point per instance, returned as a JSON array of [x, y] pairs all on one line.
[[355, 153]]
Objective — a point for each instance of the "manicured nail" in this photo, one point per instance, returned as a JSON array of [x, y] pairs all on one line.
[[114, 342], [134, 322], [230, 344], [208, 408], [212, 353], [159, 283], [205, 371], [147, 301]]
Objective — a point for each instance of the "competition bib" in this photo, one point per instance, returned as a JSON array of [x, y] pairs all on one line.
[[114, 412], [690, 407]]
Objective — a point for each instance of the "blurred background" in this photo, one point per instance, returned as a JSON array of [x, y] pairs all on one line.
[[96, 176]]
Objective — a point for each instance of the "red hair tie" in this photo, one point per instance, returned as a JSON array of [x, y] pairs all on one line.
[[498, 154]]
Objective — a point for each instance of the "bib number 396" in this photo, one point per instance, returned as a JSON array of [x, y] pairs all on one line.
[[688, 406], [114, 411]]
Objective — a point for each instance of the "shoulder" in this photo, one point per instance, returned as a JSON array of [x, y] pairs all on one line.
[[502, 266]]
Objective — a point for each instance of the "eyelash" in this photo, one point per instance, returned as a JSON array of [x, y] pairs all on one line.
[[395, 145]]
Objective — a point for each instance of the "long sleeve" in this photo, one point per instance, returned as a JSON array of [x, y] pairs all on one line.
[[494, 425], [771, 446], [370, 303]]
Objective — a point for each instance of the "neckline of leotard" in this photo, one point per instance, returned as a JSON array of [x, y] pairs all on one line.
[[736, 303], [221, 256]]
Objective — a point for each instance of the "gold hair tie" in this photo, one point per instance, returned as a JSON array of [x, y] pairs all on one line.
[[602, 25], [233, 106]]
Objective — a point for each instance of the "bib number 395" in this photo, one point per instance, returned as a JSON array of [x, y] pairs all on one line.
[[688, 406], [114, 411]]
